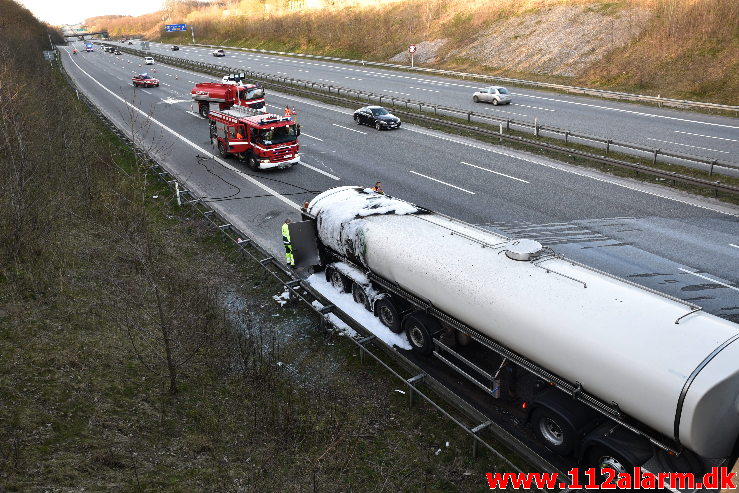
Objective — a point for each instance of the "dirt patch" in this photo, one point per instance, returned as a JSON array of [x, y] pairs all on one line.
[[561, 40], [426, 52]]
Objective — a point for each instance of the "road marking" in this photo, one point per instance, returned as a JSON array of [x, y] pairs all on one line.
[[306, 135], [709, 279], [347, 128], [443, 183], [497, 173], [735, 246], [619, 110], [686, 145], [193, 144], [147, 92], [708, 136], [195, 114], [320, 171]]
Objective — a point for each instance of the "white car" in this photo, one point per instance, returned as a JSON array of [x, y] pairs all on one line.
[[148, 60], [493, 94], [218, 53]]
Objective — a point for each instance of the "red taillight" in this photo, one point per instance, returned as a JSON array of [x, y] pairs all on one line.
[[524, 404]]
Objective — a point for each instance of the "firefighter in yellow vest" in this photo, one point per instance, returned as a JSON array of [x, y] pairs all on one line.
[[286, 241]]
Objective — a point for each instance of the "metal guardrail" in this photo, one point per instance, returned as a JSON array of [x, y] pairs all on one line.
[[660, 101], [303, 291], [335, 93]]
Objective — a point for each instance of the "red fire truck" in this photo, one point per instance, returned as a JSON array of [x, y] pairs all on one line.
[[227, 95], [262, 141]]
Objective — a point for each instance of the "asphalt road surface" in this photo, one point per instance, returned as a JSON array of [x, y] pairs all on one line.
[[678, 244], [689, 133]]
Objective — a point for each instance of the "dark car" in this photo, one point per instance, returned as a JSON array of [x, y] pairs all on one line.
[[130, 42], [175, 48], [376, 116], [116, 52]]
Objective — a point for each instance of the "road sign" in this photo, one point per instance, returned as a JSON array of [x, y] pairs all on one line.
[[412, 49], [175, 27]]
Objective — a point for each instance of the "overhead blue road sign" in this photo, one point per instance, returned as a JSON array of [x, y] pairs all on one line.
[[175, 27]]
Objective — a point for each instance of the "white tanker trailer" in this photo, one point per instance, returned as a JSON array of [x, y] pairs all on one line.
[[641, 371]]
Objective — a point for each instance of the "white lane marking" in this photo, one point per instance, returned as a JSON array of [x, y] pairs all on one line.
[[535, 107], [496, 172], [707, 136], [195, 114], [735, 246], [443, 183], [709, 279], [320, 171], [306, 135], [686, 145], [347, 128], [193, 144], [147, 92], [620, 110]]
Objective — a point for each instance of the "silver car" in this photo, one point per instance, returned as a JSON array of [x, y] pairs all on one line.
[[493, 94]]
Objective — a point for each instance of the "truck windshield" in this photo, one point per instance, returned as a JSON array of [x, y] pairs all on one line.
[[278, 135], [254, 93]]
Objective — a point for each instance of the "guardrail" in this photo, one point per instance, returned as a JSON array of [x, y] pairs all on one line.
[[504, 125], [368, 345], [660, 101]]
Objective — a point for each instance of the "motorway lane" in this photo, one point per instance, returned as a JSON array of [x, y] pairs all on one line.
[[696, 134], [616, 228]]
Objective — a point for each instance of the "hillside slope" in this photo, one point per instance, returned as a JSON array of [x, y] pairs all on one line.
[[676, 48]]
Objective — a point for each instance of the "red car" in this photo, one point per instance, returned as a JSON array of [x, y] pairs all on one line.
[[144, 80]]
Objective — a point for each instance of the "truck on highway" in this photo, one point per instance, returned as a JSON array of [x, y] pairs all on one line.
[[227, 94], [603, 372], [263, 141]]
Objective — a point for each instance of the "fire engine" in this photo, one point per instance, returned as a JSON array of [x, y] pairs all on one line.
[[227, 95], [263, 141]]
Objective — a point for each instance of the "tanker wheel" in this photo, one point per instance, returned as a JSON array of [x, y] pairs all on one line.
[[222, 150], [253, 162], [388, 314], [604, 458], [203, 109], [554, 431], [360, 296], [338, 280], [420, 330]]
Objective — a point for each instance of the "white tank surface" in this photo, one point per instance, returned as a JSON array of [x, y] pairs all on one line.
[[618, 340]]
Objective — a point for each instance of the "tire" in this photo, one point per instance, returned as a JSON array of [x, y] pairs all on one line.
[[475, 99], [222, 150], [388, 314], [495, 102], [420, 330], [357, 120], [378, 126], [252, 162], [602, 458], [553, 431], [338, 280], [360, 295], [203, 109]]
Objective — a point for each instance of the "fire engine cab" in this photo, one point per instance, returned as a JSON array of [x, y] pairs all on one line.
[[263, 141]]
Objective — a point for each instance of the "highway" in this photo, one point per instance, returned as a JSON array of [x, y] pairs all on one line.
[[678, 244], [689, 133]]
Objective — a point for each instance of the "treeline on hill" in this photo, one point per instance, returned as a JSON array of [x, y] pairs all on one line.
[[139, 353], [676, 48]]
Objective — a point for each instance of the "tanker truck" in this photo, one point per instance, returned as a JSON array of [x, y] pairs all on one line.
[[227, 95], [600, 370]]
